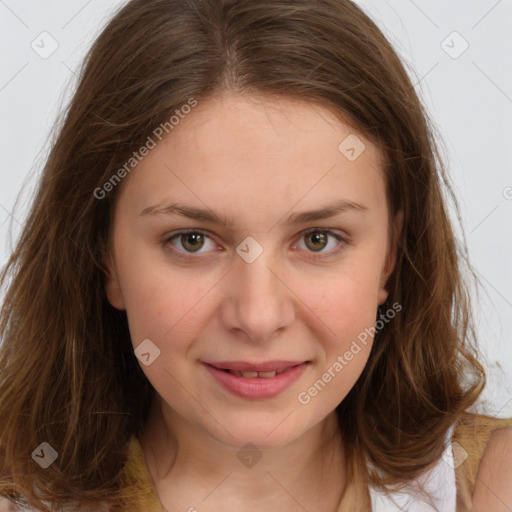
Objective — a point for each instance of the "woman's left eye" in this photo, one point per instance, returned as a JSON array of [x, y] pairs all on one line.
[[316, 240]]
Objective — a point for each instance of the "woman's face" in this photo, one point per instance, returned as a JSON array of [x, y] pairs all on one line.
[[286, 269]]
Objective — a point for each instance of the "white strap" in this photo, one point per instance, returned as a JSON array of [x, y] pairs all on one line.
[[439, 483]]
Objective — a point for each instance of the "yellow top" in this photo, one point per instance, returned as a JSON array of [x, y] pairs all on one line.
[[472, 434]]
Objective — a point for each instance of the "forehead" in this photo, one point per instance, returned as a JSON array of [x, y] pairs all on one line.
[[259, 153], [267, 126]]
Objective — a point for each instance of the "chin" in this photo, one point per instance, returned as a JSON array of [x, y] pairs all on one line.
[[262, 435]]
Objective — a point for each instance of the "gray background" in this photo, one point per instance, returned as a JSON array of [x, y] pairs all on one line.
[[468, 94]]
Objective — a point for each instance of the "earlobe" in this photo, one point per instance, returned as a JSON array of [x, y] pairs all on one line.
[[391, 257], [112, 286]]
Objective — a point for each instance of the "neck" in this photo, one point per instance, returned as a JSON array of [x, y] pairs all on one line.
[[188, 464]]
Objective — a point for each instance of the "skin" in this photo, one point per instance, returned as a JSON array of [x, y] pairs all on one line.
[[254, 161], [492, 486]]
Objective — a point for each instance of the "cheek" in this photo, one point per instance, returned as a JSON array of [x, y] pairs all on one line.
[[346, 302], [161, 303], [345, 312], [345, 318], [165, 311], [351, 321], [169, 311]]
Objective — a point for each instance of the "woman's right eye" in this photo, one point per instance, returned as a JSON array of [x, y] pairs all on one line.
[[189, 242]]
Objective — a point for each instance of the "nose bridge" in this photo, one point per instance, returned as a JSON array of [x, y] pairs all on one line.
[[260, 304]]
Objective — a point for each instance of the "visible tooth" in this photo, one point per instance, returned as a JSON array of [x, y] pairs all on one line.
[[249, 374], [252, 375], [267, 375], [280, 371]]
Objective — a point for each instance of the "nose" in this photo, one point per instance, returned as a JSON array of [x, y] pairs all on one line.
[[258, 304]]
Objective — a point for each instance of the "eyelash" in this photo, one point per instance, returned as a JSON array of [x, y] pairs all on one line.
[[319, 255]]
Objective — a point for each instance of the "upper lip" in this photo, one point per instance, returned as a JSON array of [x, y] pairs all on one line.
[[246, 366]]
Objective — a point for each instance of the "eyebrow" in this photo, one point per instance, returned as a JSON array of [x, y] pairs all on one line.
[[207, 215]]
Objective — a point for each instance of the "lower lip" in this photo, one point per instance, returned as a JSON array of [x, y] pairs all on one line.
[[257, 387]]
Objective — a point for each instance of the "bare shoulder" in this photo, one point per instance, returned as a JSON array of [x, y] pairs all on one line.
[[493, 485]]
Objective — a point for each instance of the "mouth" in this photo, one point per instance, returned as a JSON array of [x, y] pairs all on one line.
[[256, 380], [262, 370], [252, 375]]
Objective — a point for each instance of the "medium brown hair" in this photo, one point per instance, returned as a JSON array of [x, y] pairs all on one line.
[[68, 374]]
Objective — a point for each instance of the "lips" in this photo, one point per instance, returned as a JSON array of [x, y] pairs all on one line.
[[256, 380], [265, 369]]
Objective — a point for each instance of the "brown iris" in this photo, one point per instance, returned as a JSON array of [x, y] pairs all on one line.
[[318, 239], [192, 242]]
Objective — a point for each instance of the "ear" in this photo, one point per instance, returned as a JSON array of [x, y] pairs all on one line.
[[391, 257], [112, 286]]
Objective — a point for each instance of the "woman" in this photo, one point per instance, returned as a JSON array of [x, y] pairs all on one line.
[[238, 287]]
